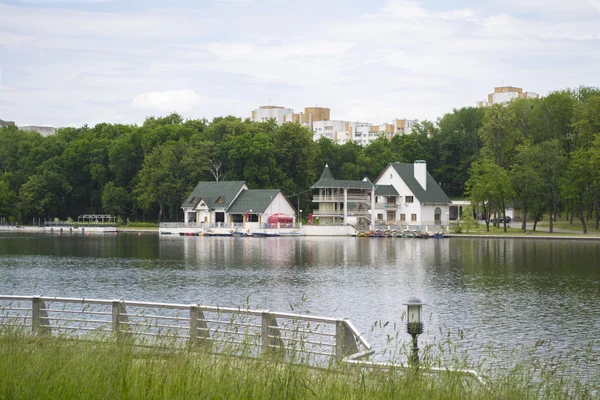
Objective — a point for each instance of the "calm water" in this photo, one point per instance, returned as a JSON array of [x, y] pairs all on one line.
[[482, 291]]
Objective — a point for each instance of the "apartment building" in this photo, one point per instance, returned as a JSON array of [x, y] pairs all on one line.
[[283, 115], [318, 119], [505, 94]]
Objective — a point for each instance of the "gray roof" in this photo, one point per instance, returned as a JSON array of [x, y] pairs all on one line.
[[328, 181], [210, 192], [385, 190], [434, 193], [256, 200]]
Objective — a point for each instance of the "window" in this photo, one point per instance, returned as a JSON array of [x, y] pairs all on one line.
[[402, 217], [409, 199], [413, 217], [437, 216], [391, 199], [391, 176]]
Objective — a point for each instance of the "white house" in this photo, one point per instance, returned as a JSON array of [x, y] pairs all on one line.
[[405, 194], [420, 199], [232, 204]]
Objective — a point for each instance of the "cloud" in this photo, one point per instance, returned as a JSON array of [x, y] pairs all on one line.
[[376, 62], [167, 101]]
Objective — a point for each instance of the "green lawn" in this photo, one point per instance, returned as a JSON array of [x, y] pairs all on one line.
[[576, 226]]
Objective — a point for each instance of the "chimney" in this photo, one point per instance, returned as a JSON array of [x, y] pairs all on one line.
[[420, 167]]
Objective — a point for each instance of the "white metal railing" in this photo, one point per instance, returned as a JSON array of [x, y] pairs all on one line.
[[351, 213], [298, 337], [340, 198], [305, 338], [385, 206]]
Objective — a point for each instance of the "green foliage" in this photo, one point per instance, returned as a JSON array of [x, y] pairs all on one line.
[[60, 368], [467, 219], [489, 188], [78, 170]]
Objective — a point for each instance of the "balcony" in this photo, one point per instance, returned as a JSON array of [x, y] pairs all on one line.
[[334, 213], [386, 206], [340, 198]]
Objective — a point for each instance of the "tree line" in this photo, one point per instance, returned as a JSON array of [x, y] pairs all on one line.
[[541, 153]]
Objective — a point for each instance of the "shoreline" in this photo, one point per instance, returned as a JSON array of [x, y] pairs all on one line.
[[527, 236]]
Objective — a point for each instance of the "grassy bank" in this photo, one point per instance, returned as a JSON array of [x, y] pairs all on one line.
[[58, 368]]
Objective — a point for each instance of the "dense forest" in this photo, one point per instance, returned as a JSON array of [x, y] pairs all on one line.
[[542, 153]]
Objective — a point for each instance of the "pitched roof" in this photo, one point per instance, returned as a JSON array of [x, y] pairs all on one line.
[[328, 181], [434, 193], [385, 190], [210, 192], [256, 200]]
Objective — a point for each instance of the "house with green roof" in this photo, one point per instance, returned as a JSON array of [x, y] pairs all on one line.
[[341, 201], [404, 194], [419, 199], [232, 204]]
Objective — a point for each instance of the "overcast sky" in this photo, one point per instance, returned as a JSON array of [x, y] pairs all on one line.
[[87, 61]]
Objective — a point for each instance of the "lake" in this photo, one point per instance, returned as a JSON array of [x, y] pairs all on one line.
[[481, 292]]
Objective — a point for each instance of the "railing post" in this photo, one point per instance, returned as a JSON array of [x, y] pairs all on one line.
[[345, 343], [270, 335], [119, 316], [265, 332], [40, 323], [35, 315], [198, 326], [193, 326]]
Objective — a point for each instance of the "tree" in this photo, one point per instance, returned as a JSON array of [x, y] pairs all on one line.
[[550, 163], [489, 188], [45, 193], [457, 146], [497, 134], [295, 154], [7, 201], [528, 187], [160, 181], [115, 200]]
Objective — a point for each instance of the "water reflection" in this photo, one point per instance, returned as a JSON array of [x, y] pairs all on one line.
[[502, 291]]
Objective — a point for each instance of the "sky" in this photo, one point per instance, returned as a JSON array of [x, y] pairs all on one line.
[[76, 62]]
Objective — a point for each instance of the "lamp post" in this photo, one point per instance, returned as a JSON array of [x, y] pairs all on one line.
[[414, 326]]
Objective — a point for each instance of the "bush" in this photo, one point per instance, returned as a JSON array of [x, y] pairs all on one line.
[[142, 225]]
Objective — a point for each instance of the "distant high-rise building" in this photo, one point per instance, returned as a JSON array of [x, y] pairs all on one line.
[[42, 130], [318, 120], [504, 94], [6, 123]]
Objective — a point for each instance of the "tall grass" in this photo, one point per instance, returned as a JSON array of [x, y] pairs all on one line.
[[62, 368]]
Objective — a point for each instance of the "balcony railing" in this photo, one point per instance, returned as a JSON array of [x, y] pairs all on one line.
[[340, 198], [340, 212], [386, 206]]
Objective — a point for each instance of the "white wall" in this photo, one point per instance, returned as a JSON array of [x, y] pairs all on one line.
[[391, 177], [425, 213], [265, 114], [328, 129], [279, 205]]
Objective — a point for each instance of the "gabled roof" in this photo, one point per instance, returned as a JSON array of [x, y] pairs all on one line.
[[434, 193], [210, 192], [385, 190], [328, 181], [256, 200]]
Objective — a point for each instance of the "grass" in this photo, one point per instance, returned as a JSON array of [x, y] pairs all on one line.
[[60, 368], [499, 231], [564, 223]]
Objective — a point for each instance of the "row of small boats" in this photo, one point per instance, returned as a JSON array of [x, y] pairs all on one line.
[[401, 234], [240, 233]]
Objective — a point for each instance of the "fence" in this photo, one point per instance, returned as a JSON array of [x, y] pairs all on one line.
[[299, 338]]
